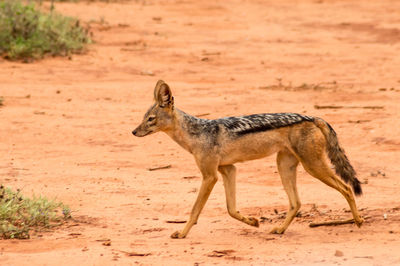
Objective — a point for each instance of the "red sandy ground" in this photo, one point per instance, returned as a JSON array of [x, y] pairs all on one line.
[[66, 131]]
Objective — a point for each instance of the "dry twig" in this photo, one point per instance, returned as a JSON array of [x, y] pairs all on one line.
[[130, 254], [176, 222], [347, 107], [329, 223], [159, 167]]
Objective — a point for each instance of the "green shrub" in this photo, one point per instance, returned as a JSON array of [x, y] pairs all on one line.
[[108, 1], [18, 214], [26, 32]]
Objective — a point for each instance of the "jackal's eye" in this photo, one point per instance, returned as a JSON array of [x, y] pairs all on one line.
[[151, 118]]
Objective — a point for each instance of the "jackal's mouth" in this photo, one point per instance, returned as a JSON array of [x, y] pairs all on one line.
[[141, 133]]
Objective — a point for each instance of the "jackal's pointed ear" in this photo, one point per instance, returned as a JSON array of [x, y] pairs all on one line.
[[163, 94], [157, 88]]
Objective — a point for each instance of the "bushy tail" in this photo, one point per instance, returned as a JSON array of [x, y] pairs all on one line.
[[337, 156]]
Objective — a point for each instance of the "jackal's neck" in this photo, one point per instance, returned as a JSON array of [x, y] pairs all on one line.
[[186, 129]]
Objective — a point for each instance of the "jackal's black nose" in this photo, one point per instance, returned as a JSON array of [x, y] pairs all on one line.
[[134, 132]]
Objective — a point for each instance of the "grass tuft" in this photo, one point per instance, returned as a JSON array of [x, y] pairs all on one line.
[[107, 1], [28, 33], [19, 215]]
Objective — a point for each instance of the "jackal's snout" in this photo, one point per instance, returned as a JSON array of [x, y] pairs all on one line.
[[140, 132]]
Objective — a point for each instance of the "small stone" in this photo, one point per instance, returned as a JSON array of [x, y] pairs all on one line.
[[107, 243], [338, 253]]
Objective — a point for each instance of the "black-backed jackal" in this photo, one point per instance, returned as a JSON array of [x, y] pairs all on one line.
[[218, 144]]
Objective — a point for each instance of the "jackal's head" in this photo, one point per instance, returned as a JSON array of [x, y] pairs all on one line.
[[160, 116]]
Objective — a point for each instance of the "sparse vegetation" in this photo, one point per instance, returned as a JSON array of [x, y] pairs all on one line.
[[1, 101], [19, 215], [28, 33], [107, 1]]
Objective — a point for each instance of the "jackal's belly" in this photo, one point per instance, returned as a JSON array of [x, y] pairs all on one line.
[[241, 153]]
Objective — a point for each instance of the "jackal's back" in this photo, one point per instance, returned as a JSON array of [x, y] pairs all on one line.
[[255, 123]]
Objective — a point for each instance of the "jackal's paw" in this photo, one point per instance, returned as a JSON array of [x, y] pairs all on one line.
[[359, 221], [253, 221], [277, 230], [177, 235]]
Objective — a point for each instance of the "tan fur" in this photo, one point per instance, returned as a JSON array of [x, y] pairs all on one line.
[[305, 142]]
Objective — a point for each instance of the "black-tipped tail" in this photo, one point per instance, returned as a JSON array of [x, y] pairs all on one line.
[[338, 158]]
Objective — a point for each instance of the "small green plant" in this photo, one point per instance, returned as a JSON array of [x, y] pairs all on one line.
[[108, 1], [26, 32], [19, 215], [1, 101]]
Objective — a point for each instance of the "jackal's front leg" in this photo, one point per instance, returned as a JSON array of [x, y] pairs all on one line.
[[287, 166], [209, 180], [228, 173]]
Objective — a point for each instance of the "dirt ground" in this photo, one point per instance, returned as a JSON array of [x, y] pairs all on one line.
[[66, 131]]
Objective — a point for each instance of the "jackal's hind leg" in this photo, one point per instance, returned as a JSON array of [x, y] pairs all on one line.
[[228, 173], [287, 166], [320, 170]]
